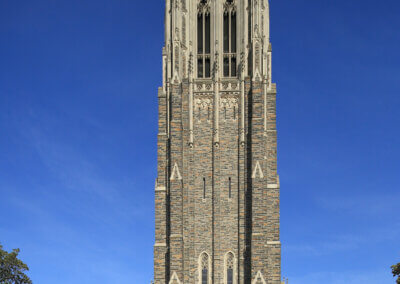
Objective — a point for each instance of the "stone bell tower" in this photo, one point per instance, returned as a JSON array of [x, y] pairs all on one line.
[[217, 188]]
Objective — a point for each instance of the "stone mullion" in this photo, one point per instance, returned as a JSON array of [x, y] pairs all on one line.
[[258, 180], [175, 189]]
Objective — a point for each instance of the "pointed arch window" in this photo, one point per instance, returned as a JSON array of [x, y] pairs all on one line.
[[230, 30], [229, 268], [204, 268], [203, 40]]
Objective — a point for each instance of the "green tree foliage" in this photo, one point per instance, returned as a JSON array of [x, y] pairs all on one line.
[[396, 272], [12, 269]]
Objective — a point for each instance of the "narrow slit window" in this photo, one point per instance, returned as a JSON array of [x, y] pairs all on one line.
[[199, 114], [230, 188], [204, 188]]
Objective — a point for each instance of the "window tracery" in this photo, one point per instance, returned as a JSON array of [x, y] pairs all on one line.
[[229, 267], [204, 268]]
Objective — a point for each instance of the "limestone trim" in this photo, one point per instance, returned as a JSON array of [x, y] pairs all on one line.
[[257, 172], [161, 189], [175, 279], [273, 243], [175, 236], [160, 244], [273, 186], [259, 277], [176, 175]]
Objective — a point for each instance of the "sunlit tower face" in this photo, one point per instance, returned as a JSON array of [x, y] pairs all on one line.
[[217, 188]]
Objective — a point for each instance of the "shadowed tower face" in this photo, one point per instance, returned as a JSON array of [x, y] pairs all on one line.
[[217, 188]]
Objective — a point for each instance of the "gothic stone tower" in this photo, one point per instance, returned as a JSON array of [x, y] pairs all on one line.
[[217, 189]]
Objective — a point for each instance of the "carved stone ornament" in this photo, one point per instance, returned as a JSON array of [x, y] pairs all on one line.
[[257, 55], [204, 103], [242, 62], [190, 63], [229, 5], [228, 103], [216, 62], [203, 6], [184, 30]]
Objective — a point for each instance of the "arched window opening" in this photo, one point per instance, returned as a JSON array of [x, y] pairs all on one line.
[[203, 40], [230, 266], [204, 266], [230, 30]]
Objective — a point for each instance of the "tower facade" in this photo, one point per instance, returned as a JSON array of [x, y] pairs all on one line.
[[217, 188]]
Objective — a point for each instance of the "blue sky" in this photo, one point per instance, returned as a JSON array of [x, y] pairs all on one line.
[[78, 116]]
